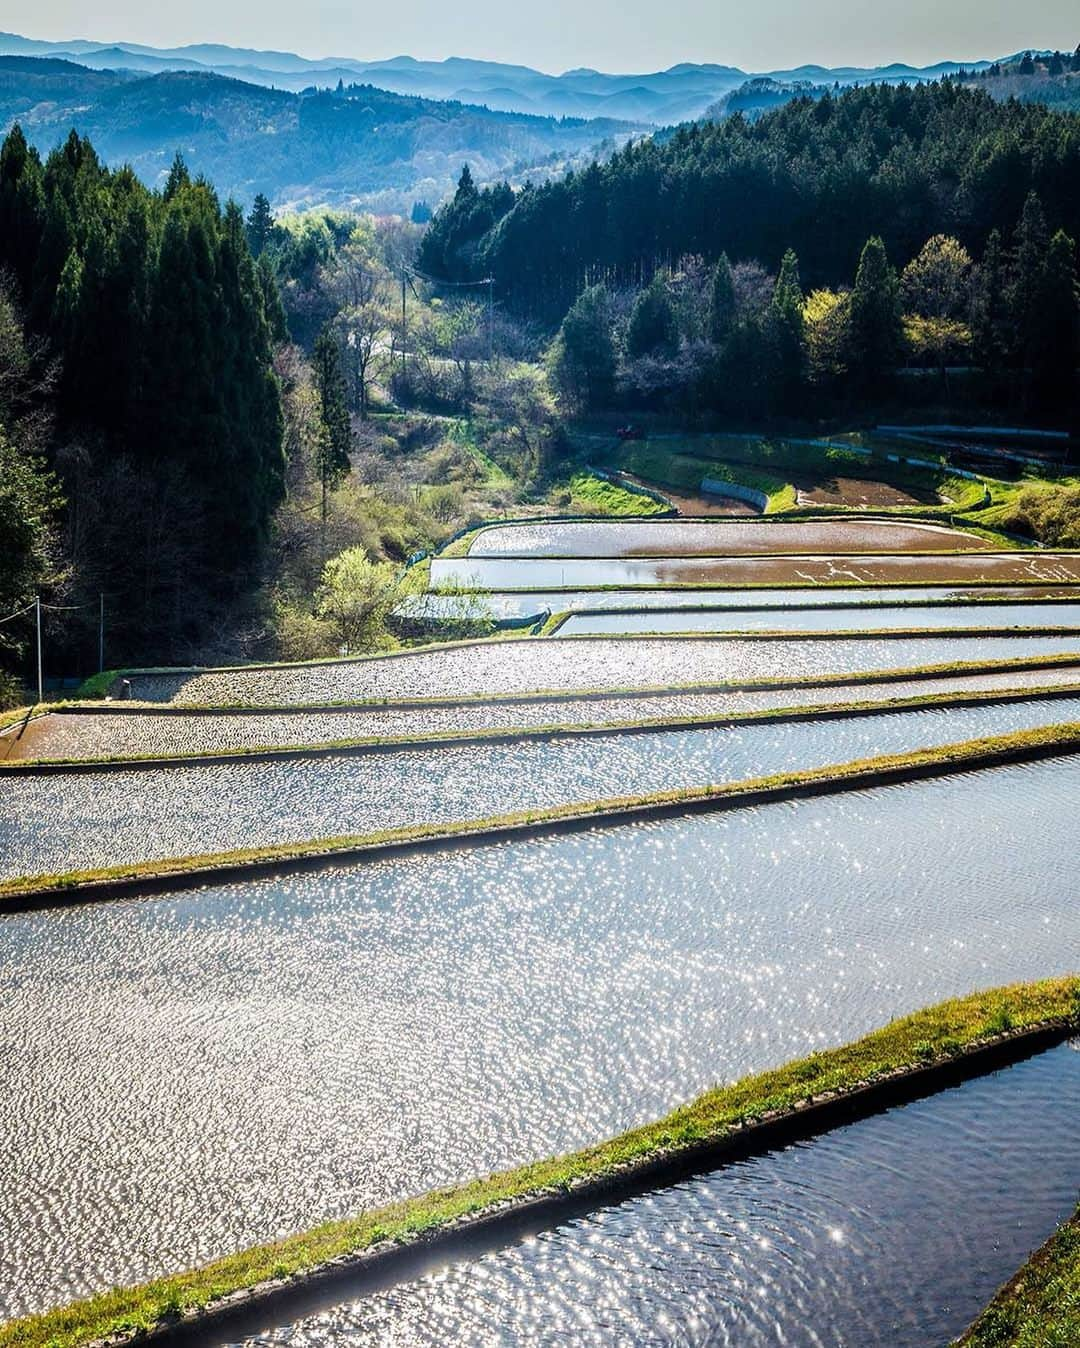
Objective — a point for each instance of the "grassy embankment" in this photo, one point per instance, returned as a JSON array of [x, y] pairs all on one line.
[[775, 465], [1040, 1306], [1020, 746], [934, 1035]]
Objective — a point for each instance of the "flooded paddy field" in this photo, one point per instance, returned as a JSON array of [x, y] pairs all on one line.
[[870, 618], [526, 604], [526, 666], [890, 1233], [584, 573], [687, 538], [51, 824], [191, 1074], [74, 735]]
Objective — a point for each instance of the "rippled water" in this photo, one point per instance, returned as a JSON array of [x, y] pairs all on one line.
[[549, 573], [536, 665], [684, 538], [872, 619], [77, 735], [187, 1075], [517, 604], [53, 824], [893, 1232]]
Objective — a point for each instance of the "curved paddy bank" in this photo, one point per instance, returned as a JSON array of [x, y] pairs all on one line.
[[729, 537], [56, 824], [868, 618], [535, 603], [588, 573], [506, 1002], [69, 734], [889, 1233], [507, 667]]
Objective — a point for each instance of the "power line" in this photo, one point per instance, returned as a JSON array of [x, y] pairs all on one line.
[[17, 614]]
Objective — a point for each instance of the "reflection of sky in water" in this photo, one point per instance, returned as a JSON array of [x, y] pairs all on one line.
[[999, 616], [528, 604], [108, 817], [893, 1232], [83, 736], [191, 1074], [538, 573], [620, 538], [538, 665]]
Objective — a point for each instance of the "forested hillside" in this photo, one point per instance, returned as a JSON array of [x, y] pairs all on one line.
[[136, 377], [353, 145], [817, 176]]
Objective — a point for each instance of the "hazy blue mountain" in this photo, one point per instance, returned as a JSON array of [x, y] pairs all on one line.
[[682, 92], [365, 146]]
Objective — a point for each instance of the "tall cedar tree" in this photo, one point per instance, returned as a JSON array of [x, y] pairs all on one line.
[[788, 332], [158, 317], [334, 400], [874, 325], [652, 328]]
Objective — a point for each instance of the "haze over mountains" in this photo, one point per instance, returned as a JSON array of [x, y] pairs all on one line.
[[376, 135], [661, 97]]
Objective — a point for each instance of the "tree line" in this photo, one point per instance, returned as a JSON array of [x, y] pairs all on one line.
[[819, 176], [139, 390], [737, 340]]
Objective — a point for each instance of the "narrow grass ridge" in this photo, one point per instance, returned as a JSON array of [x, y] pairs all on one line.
[[831, 711], [916, 1042], [861, 774], [1040, 1306]]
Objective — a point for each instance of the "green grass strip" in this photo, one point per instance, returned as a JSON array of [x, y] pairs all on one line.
[[933, 1035], [859, 774], [1040, 1306], [829, 711]]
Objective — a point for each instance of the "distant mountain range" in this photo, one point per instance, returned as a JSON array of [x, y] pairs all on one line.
[[661, 97], [379, 135], [363, 147]]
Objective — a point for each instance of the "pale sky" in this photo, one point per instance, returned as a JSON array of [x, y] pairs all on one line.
[[614, 35]]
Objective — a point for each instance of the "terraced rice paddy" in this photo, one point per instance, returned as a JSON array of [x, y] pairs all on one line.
[[891, 1233], [576, 573], [526, 604], [74, 735], [190, 1074], [1000, 617], [98, 819], [722, 538], [532, 666]]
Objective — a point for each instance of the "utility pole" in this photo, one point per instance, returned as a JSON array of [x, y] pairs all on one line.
[[40, 676], [403, 320], [101, 633], [491, 319]]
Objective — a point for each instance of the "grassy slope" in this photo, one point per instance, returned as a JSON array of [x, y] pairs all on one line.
[[861, 773], [929, 1035], [592, 495], [1040, 1307]]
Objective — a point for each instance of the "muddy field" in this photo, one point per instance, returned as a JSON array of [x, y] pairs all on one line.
[[863, 493]]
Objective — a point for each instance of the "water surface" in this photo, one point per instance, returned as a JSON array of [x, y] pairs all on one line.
[[727, 537], [82, 735], [188, 1075], [998, 617], [52, 824], [891, 1233], [550, 573], [526, 666]]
